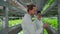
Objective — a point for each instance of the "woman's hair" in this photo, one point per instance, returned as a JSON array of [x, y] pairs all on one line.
[[30, 7], [38, 12]]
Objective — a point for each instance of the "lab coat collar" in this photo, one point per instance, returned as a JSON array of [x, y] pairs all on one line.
[[28, 15], [39, 20]]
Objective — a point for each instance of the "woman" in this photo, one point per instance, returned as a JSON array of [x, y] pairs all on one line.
[[38, 23]]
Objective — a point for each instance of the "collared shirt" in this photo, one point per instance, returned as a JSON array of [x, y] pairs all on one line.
[[27, 25], [38, 25]]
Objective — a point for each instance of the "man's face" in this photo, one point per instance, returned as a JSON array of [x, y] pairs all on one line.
[[33, 11], [38, 15]]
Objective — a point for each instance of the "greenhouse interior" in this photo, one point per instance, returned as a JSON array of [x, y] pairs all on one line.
[[12, 12]]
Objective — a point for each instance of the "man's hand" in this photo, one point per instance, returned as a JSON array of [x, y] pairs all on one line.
[[45, 25]]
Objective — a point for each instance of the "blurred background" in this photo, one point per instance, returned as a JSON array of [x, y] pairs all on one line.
[[12, 12]]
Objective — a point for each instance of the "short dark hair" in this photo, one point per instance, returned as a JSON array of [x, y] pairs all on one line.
[[38, 12], [30, 7]]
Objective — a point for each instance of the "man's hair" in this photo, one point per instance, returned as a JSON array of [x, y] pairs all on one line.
[[30, 7]]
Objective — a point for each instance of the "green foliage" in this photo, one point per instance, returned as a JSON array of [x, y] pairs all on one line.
[[0, 24], [14, 22], [45, 32], [49, 2], [53, 22]]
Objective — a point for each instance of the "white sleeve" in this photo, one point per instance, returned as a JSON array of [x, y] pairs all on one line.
[[27, 26], [40, 29]]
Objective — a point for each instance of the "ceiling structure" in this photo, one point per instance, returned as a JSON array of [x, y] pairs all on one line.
[[18, 7]]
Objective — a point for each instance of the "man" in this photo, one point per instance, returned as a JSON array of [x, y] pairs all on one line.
[[38, 23], [27, 25]]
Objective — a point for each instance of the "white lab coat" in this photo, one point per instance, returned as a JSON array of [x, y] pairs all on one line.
[[38, 26], [27, 25]]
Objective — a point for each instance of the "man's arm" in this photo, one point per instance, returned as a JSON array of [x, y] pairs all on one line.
[[49, 29]]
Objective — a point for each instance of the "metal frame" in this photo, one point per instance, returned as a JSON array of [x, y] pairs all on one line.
[[5, 23], [15, 29], [39, 4], [23, 2], [59, 15], [39, 7], [5, 17], [52, 5]]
